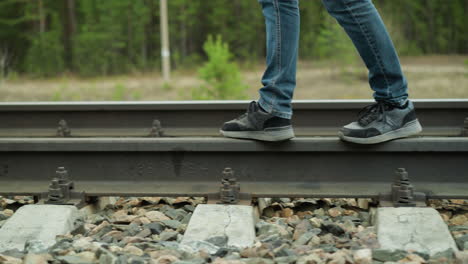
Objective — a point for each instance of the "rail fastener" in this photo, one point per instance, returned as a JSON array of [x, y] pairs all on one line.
[[63, 130], [402, 193], [62, 191]]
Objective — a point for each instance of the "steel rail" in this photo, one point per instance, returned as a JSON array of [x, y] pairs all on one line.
[[302, 167], [203, 118]]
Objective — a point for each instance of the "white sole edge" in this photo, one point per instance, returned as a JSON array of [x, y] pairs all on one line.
[[410, 129], [278, 135]]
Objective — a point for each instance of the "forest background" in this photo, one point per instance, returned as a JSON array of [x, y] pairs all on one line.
[[110, 50]]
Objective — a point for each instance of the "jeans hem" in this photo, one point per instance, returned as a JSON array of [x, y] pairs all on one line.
[[270, 109], [399, 102]]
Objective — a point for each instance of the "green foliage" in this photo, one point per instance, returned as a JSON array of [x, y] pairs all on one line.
[[332, 42], [122, 93], [167, 87], [45, 55], [122, 36], [221, 76]]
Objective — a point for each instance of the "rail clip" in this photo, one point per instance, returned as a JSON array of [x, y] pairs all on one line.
[[61, 190], [402, 192], [63, 130]]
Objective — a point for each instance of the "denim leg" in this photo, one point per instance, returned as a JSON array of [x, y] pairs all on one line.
[[363, 24], [282, 41]]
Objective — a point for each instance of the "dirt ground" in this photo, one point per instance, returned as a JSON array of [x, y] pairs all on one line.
[[428, 76]]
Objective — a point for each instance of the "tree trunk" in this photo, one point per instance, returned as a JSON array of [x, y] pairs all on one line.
[[69, 31], [42, 21]]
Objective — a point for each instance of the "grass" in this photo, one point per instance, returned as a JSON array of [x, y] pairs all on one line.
[[428, 77]]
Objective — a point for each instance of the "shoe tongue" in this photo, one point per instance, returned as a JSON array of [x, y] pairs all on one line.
[[253, 107]]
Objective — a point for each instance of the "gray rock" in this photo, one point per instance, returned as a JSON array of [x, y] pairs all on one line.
[[72, 260], [3, 217], [458, 228], [446, 255], [201, 245], [461, 257], [319, 212], [96, 219], [191, 261], [423, 255], [283, 251], [136, 260], [189, 208], [303, 227], [169, 245], [176, 214], [286, 260], [103, 231], [220, 241], [388, 255], [61, 245], [234, 255], [333, 228], [106, 257], [311, 258], [305, 238], [79, 229], [270, 239], [133, 229], [186, 219], [156, 228], [35, 246], [264, 228], [258, 261], [174, 224], [16, 253], [365, 218], [144, 233], [329, 248], [462, 242], [107, 239], [168, 235]]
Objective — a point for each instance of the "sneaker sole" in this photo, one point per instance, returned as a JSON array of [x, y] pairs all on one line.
[[266, 135], [409, 129]]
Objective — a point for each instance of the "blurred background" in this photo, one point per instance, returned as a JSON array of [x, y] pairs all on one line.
[[71, 50]]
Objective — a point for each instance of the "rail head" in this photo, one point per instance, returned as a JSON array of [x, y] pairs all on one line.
[[210, 105]]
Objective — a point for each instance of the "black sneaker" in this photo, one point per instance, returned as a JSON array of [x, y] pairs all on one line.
[[382, 122], [258, 124]]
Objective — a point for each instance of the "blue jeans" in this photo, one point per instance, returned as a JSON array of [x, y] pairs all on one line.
[[362, 23]]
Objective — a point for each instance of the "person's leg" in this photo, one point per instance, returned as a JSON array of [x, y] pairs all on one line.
[[363, 24], [393, 116], [282, 22], [269, 118]]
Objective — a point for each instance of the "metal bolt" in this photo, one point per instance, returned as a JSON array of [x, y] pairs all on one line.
[[156, 129], [402, 189], [402, 174], [62, 174], [63, 130], [55, 192], [229, 191], [465, 127], [228, 173]]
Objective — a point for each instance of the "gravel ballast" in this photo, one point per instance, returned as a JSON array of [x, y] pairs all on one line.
[[150, 229]]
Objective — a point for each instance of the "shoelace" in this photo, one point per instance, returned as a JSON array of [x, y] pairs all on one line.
[[371, 112]]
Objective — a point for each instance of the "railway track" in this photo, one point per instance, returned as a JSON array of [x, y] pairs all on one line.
[[173, 149], [201, 118]]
